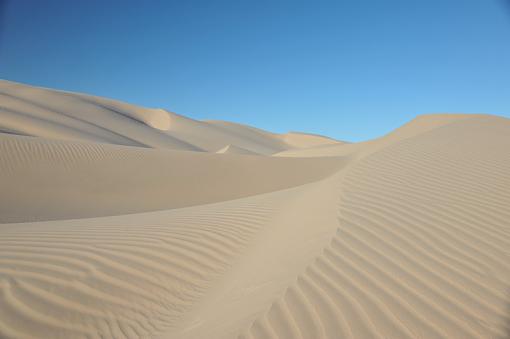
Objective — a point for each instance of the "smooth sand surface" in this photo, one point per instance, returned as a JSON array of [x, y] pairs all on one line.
[[125, 222], [40, 112]]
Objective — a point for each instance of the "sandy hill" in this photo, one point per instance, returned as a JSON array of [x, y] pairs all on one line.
[[117, 224], [41, 112], [98, 179]]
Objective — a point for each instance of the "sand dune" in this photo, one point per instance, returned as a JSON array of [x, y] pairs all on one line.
[[41, 112], [128, 225], [39, 176], [231, 149]]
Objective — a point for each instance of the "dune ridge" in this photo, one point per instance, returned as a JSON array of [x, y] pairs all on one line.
[[98, 179], [140, 229], [403, 264], [42, 112], [231, 149], [119, 277]]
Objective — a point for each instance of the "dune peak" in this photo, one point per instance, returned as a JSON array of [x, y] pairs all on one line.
[[158, 118], [232, 149]]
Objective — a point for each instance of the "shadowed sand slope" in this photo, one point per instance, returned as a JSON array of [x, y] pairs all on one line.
[[405, 236], [47, 179]]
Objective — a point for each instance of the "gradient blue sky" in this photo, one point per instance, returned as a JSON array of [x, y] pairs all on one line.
[[352, 70]]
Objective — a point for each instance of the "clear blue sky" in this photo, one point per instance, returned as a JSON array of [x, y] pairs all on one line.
[[348, 69]]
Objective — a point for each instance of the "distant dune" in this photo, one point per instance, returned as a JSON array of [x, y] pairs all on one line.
[[231, 149], [119, 221], [51, 114]]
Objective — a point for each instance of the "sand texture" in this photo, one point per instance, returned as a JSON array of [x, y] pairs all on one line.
[[118, 221]]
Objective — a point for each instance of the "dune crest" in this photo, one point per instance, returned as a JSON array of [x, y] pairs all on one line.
[[159, 119], [124, 222], [42, 112], [231, 149]]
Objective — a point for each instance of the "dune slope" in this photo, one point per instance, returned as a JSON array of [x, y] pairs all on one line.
[[405, 236], [42, 112], [47, 179]]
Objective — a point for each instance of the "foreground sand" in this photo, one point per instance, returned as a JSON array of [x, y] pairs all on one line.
[[152, 230]]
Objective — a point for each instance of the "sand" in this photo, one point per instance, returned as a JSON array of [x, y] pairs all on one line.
[[119, 221]]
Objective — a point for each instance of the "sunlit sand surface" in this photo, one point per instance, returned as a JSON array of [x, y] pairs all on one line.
[[123, 222]]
